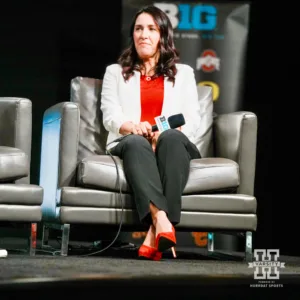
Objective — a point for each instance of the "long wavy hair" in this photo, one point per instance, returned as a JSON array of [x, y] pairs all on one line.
[[169, 55]]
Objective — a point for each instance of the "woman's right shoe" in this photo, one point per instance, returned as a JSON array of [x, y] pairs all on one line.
[[148, 252], [165, 241]]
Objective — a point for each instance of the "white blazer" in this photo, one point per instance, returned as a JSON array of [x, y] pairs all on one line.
[[120, 100]]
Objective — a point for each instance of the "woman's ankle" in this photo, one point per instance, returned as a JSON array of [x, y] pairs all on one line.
[[163, 224], [159, 216], [150, 237]]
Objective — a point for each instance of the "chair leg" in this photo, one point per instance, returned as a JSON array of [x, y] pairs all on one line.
[[45, 237], [32, 239], [65, 239], [210, 242], [248, 247], [65, 228], [220, 255]]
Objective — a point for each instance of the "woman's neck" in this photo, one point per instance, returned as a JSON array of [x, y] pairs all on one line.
[[148, 67]]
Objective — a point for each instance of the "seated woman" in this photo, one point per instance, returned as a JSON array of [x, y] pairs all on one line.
[[148, 82]]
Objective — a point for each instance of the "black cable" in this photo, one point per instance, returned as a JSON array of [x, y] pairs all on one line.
[[58, 252], [120, 198]]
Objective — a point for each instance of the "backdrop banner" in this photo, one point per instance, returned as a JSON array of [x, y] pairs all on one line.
[[212, 38]]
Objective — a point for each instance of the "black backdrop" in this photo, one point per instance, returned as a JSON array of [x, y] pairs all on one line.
[[45, 44]]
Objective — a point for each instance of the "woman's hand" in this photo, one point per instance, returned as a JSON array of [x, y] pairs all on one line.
[[153, 140], [142, 128], [126, 128]]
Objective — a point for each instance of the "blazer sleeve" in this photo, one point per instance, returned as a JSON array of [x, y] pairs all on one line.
[[190, 107], [113, 116]]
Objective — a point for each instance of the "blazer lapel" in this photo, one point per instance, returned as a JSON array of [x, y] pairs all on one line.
[[168, 98], [134, 97]]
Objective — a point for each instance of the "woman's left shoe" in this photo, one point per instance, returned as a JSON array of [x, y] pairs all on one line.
[[148, 252]]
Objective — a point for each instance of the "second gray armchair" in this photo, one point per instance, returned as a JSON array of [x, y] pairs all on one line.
[[20, 201]]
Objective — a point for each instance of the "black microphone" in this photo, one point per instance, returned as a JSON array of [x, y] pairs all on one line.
[[174, 122]]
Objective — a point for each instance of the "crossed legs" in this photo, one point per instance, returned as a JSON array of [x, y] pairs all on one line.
[[157, 181]]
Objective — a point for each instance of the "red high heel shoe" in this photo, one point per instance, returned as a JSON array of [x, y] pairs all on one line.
[[149, 253], [165, 241]]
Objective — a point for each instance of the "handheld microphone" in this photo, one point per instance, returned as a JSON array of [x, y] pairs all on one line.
[[174, 121]]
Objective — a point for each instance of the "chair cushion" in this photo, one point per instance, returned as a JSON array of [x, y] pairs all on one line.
[[21, 194], [214, 203], [13, 164], [207, 175]]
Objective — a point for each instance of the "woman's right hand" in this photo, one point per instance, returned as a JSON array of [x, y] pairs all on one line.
[[143, 129]]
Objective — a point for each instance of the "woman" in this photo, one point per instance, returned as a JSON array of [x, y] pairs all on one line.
[[147, 82]]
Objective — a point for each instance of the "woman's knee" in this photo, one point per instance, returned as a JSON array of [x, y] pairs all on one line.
[[134, 141], [171, 135]]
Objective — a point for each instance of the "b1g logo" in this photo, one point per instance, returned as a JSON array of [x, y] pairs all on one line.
[[190, 17]]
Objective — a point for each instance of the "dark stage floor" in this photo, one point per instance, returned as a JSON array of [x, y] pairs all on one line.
[[118, 272]]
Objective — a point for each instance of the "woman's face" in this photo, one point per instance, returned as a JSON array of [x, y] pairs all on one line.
[[146, 36]]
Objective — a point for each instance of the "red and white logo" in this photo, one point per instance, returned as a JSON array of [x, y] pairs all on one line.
[[208, 61]]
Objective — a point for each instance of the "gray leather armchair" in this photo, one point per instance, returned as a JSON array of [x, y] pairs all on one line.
[[80, 179], [20, 201]]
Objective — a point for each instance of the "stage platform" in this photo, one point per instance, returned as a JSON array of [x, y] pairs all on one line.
[[118, 272]]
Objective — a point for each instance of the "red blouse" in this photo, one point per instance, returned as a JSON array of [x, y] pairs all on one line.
[[152, 97]]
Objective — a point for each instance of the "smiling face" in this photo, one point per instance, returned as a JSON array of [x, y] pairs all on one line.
[[146, 36]]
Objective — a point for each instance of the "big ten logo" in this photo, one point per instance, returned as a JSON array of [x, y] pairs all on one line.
[[190, 16], [200, 238], [214, 86]]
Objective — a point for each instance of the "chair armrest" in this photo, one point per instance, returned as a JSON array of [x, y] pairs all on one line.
[[59, 148], [16, 126], [235, 137]]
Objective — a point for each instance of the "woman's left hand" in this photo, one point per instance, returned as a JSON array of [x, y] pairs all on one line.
[[153, 140]]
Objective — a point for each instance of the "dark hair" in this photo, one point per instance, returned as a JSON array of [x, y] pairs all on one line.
[[169, 55]]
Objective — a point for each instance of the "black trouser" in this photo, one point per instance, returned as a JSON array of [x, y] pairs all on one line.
[[158, 177]]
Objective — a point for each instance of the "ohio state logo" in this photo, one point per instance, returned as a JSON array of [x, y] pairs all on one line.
[[208, 61]]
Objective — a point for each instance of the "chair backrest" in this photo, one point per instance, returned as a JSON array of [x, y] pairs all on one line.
[[16, 126], [204, 135], [86, 92]]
